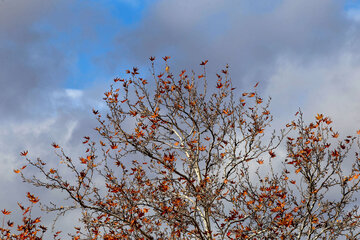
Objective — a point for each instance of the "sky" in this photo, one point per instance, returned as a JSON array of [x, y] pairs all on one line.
[[58, 57]]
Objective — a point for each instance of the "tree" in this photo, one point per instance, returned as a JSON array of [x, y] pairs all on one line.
[[179, 160], [30, 228]]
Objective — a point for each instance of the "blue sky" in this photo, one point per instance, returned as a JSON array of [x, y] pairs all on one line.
[[59, 56], [351, 4], [123, 14]]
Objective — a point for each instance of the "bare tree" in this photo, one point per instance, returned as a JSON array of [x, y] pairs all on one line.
[[180, 160]]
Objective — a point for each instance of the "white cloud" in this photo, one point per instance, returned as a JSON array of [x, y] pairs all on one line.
[[74, 93], [328, 85]]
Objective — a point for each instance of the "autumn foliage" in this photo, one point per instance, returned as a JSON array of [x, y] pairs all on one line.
[[181, 157], [30, 228]]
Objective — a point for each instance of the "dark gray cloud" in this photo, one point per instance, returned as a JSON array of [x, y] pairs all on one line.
[[30, 65], [237, 32]]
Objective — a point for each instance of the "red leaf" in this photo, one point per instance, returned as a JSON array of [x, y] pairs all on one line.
[[166, 58], [219, 85], [24, 153], [204, 63], [272, 154], [55, 145]]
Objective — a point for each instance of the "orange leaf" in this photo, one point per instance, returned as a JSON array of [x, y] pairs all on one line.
[[32, 198], [328, 121], [188, 86], [182, 73], [250, 202], [83, 160], [260, 161], [319, 116], [5, 212], [202, 148], [133, 113], [315, 220], [107, 94]]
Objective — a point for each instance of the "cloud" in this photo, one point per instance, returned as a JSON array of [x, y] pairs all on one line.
[[39, 46], [304, 54], [70, 121], [329, 86], [43, 48], [30, 65], [236, 32]]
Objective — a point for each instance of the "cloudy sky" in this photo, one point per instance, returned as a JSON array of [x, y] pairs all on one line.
[[57, 57]]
